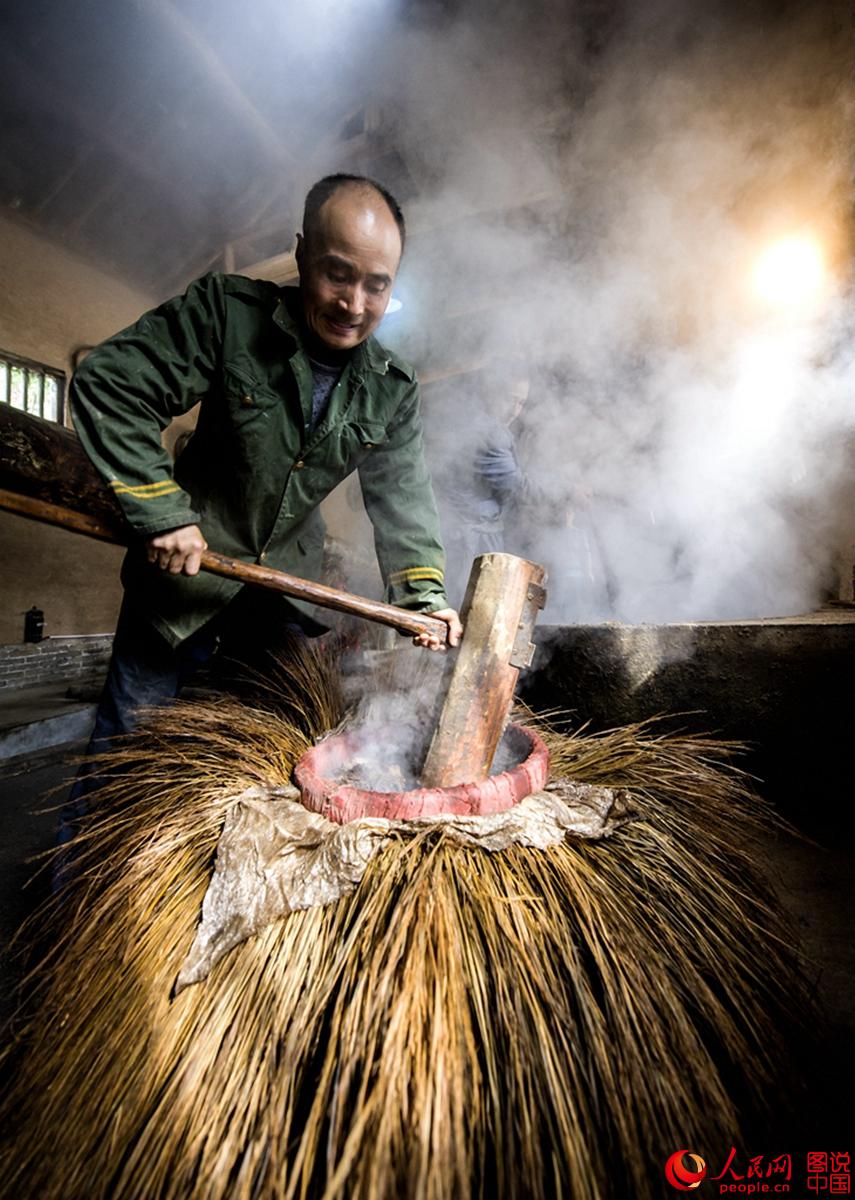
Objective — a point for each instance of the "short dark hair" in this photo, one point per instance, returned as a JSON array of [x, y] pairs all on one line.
[[321, 191]]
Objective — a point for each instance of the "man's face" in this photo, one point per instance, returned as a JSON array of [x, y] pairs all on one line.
[[348, 268]]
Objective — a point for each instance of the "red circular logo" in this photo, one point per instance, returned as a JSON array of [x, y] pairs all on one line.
[[685, 1170]]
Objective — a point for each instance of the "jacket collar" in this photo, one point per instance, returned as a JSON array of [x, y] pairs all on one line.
[[368, 355]]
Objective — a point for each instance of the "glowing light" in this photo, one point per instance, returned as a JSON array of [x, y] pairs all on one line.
[[394, 305], [791, 274]]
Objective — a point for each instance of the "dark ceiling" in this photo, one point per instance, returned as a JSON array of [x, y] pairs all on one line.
[[147, 134]]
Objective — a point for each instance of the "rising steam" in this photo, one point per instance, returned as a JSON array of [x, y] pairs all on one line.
[[689, 431]]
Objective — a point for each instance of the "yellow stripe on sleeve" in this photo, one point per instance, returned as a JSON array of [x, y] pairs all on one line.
[[145, 491], [412, 574]]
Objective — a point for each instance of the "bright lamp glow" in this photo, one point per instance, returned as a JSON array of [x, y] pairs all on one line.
[[791, 274], [394, 305]]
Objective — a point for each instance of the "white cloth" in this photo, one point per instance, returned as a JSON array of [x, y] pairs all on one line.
[[275, 856]]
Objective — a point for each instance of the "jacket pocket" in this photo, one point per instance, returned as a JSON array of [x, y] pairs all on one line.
[[359, 438], [246, 396]]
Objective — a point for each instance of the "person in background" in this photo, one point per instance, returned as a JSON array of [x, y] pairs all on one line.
[[482, 490]]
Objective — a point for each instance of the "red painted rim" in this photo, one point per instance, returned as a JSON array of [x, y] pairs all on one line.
[[342, 803]]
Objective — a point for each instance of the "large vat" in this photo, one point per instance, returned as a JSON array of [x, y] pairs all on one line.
[[783, 685]]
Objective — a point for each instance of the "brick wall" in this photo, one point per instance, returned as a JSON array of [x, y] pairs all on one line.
[[55, 660]]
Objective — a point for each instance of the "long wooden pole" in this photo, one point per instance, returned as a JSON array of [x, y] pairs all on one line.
[[233, 568], [45, 474]]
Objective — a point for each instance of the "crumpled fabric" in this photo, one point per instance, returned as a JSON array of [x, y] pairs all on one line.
[[275, 856]]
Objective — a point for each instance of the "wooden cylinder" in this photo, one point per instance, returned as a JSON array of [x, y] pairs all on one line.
[[502, 599]]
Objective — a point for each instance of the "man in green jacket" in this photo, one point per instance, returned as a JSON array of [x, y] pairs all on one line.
[[295, 394]]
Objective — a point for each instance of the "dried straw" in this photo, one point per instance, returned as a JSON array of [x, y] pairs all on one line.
[[525, 1024]]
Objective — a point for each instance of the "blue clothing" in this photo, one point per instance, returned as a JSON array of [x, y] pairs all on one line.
[[481, 491], [324, 379]]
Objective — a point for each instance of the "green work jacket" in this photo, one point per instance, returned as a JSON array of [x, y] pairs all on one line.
[[252, 475]]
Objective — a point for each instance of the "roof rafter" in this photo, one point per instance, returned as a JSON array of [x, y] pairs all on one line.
[[209, 61], [39, 93]]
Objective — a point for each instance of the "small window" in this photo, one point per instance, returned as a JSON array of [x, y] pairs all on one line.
[[32, 387]]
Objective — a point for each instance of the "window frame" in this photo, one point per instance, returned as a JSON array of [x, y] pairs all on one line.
[[42, 371]]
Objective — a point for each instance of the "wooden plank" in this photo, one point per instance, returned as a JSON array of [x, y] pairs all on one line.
[[235, 568]]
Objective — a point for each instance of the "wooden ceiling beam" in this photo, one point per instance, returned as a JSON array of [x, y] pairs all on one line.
[[281, 268], [422, 221], [206, 58], [38, 91], [81, 158]]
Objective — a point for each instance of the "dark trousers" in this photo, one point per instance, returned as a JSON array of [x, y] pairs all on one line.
[[146, 672]]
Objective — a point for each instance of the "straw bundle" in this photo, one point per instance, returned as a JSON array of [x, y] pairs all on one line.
[[523, 1024]]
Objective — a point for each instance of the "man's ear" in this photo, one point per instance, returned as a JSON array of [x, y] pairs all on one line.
[[300, 252]]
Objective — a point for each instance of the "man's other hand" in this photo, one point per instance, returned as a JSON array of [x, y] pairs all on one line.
[[455, 631], [178, 550]]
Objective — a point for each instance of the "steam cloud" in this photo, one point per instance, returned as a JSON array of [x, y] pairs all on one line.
[[694, 447]]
